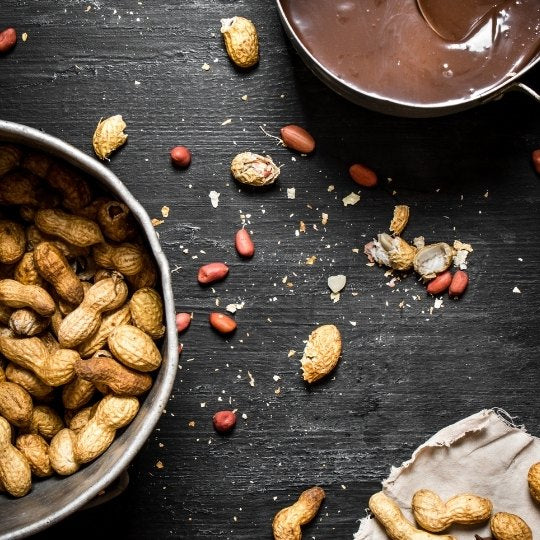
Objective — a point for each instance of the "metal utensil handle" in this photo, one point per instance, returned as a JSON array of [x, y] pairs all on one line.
[[520, 87], [110, 492]]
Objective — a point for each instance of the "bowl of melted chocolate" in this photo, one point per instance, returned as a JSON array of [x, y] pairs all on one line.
[[417, 58]]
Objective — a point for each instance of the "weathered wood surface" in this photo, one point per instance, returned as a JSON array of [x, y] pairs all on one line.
[[405, 373]]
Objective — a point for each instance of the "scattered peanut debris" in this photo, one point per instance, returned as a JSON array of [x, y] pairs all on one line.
[[156, 222], [324, 218], [24, 36], [165, 211], [419, 242], [251, 379], [516, 290], [191, 424], [226, 122], [291, 193], [351, 199], [302, 227], [214, 198], [311, 260], [159, 465], [400, 219], [232, 308], [292, 352], [205, 67]]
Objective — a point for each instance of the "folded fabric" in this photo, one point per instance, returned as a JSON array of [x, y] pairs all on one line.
[[485, 454]]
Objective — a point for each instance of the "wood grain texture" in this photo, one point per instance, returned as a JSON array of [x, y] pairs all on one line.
[[405, 373]]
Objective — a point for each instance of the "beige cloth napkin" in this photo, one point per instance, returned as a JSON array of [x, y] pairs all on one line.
[[485, 454]]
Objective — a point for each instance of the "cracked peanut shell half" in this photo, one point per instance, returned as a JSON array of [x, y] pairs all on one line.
[[433, 259], [254, 170], [322, 353]]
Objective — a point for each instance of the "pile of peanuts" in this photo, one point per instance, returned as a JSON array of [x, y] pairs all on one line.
[[79, 318]]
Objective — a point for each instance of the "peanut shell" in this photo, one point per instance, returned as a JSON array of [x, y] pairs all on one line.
[[133, 348], [241, 41], [109, 136], [322, 353]]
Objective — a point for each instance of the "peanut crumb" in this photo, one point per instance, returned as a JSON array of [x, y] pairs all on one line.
[[324, 218], [311, 260], [165, 211], [191, 424], [351, 199], [24, 35], [292, 352], [159, 465], [205, 67], [156, 222]]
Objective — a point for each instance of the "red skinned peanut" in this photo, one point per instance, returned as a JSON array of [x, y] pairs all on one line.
[[459, 283], [362, 175], [181, 156], [212, 272], [440, 283], [244, 244], [536, 160], [8, 38], [183, 320], [298, 139], [222, 323], [224, 421]]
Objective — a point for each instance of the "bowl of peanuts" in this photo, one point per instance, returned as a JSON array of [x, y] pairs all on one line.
[[88, 343]]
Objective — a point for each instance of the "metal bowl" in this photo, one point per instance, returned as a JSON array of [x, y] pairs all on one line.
[[395, 107], [55, 498]]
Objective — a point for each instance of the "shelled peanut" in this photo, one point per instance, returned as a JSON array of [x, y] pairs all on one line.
[[79, 317]]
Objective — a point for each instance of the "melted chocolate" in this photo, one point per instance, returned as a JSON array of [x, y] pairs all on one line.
[[387, 49]]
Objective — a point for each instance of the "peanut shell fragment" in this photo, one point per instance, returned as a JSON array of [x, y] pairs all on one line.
[[321, 353], [400, 219], [109, 136]]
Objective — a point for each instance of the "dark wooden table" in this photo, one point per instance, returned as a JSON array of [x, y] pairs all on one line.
[[405, 372]]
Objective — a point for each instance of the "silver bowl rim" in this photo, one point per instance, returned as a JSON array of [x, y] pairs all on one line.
[[395, 106], [18, 133]]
